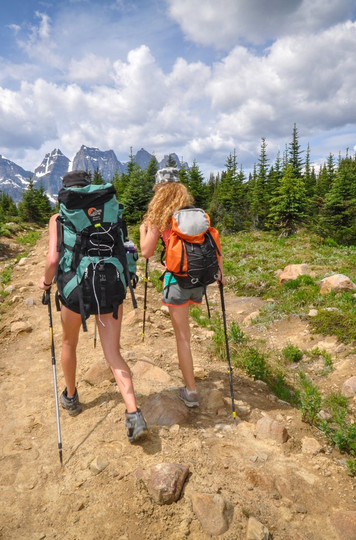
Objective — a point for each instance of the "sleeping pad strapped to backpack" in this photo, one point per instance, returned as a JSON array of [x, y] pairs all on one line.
[[193, 249], [92, 274]]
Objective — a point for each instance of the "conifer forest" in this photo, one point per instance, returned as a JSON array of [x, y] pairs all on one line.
[[283, 196]]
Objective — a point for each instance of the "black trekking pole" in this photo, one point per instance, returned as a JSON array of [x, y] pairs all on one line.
[[221, 287], [95, 332], [145, 301], [46, 300]]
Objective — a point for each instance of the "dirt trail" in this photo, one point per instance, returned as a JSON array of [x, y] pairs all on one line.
[[294, 494]]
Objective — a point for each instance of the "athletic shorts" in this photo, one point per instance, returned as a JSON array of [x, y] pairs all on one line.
[[174, 295]]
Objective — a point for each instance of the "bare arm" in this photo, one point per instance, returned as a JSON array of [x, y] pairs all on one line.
[[52, 256], [149, 236]]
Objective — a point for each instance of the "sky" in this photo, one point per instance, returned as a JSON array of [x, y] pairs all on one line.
[[201, 78]]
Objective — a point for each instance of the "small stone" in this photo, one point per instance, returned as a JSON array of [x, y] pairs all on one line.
[[98, 465], [166, 482], [256, 531], [20, 327], [213, 512], [310, 446], [267, 428], [349, 387], [30, 302]]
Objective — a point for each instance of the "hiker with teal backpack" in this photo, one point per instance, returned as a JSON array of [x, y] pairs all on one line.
[[87, 259], [170, 208]]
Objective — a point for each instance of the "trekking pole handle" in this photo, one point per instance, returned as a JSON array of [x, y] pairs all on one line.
[[46, 296]]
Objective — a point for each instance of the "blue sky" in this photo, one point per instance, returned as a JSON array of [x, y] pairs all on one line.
[[196, 77]]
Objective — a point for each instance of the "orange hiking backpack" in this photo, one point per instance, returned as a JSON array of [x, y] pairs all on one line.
[[193, 249]]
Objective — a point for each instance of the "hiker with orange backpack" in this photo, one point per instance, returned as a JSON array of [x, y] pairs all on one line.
[[193, 260], [87, 257]]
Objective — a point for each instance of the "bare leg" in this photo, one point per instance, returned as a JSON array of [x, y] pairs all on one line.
[[71, 323], [180, 321], [110, 342]]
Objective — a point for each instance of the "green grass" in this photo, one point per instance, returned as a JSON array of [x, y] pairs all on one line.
[[30, 238], [5, 276], [252, 258]]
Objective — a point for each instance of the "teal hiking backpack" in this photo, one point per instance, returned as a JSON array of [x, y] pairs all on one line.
[[94, 268]]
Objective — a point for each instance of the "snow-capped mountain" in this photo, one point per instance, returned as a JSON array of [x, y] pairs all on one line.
[[50, 173], [13, 178], [92, 159]]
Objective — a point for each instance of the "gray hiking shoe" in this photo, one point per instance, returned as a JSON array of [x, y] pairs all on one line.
[[191, 400], [72, 404], [136, 425]]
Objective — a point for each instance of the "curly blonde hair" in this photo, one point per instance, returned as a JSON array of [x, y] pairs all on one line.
[[169, 197]]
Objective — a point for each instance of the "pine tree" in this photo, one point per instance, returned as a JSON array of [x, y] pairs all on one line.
[[118, 185], [184, 176], [288, 207], [8, 209], [309, 178], [261, 195], [137, 195], [34, 206], [98, 179], [150, 172], [295, 154], [171, 162], [197, 186], [339, 213]]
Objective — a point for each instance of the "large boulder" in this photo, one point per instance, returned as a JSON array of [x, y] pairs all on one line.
[[337, 283], [292, 271]]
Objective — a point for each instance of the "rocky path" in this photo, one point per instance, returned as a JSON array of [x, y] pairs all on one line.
[[197, 476]]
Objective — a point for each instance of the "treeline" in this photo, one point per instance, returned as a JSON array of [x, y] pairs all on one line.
[[34, 207], [282, 196]]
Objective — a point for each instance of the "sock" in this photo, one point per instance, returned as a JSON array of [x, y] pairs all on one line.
[[190, 392]]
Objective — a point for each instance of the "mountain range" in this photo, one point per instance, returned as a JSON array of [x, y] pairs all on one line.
[[14, 180]]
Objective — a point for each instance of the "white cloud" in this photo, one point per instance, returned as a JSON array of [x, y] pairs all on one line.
[[40, 45], [226, 23], [90, 69], [83, 89]]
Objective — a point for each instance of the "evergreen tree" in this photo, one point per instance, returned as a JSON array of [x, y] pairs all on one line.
[[118, 185], [150, 172], [197, 186], [309, 178], [171, 162], [137, 195], [98, 179], [339, 213], [295, 154], [35, 206], [131, 164], [288, 207], [261, 195], [8, 209], [184, 176]]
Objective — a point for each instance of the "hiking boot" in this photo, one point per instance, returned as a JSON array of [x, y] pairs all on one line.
[[71, 404], [191, 400], [136, 425]]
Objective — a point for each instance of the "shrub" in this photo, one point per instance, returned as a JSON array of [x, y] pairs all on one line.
[[254, 364], [236, 334], [292, 353], [310, 399]]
